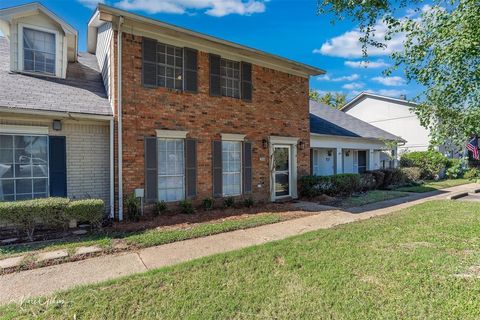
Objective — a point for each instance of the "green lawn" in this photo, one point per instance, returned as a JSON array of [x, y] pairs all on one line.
[[435, 185], [371, 197], [420, 263], [147, 238]]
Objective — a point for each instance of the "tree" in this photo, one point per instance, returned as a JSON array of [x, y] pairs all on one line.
[[441, 52], [336, 100]]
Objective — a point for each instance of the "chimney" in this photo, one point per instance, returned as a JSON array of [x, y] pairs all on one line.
[[403, 97]]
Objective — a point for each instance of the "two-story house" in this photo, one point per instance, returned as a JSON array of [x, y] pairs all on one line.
[[167, 112]]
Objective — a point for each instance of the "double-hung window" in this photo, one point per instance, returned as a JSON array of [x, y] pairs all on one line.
[[230, 78], [38, 51], [23, 167], [169, 66], [171, 169], [232, 167]]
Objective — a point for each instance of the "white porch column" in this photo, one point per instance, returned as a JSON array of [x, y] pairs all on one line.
[[339, 161], [371, 159]]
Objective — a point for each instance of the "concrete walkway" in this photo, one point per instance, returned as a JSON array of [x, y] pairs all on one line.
[[22, 285]]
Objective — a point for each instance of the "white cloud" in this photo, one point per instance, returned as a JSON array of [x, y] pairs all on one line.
[[348, 44], [390, 81], [353, 86], [351, 77], [217, 8], [380, 63], [92, 4]]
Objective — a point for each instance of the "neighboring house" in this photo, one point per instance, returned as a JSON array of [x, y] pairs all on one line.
[[55, 116], [393, 115], [341, 143]]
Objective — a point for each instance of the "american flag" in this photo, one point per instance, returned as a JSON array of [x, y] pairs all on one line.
[[472, 146]]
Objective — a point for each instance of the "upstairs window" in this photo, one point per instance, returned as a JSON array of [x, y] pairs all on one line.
[[169, 66], [230, 78], [38, 51]]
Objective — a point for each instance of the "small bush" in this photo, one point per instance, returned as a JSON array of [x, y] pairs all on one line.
[[248, 202], [472, 174], [412, 174], [27, 215], [159, 208], [186, 206], [455, 168], [367, 181], [208, 204], [336, 185], [379, 177], [228, 202], [430, 162], [88, 210], [132, 204], [393, 178]]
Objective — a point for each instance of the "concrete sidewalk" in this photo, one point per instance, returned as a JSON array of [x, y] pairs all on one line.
[[37, 282]]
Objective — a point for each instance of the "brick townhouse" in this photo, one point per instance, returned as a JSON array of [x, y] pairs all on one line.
[[192, 116]]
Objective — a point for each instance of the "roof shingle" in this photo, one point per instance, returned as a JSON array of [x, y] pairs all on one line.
[[330, 121], [81, 92]]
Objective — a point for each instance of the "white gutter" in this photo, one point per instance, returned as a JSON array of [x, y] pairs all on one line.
[[112, 170], [119, 112], [58, 114]]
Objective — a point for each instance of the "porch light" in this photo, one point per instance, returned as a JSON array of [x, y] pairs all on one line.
[[301, 145], [265, 143], [347, 154], [329, 153], [57, 125]]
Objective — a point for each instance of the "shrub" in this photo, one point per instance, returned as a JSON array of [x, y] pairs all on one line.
[[379, 177], [455, 168], [132, 204], [430, 162], [367, 181], [412, 174], [88, 210], [340, 184], [186, 206], [393, 177], [472, 174], [248, 202], [228, 202], [159, 208], [208, 203], [27, 215]]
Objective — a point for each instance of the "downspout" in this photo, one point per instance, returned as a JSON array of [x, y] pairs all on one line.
[[112, 169], [119, 111]]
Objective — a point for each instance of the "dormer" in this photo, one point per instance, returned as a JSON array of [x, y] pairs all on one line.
[[40, 42]]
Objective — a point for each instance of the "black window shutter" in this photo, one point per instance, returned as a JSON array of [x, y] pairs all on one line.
[[217, 171], [190, 70], [191, 167], [215, 77], [246, 81], [311, 161], [149, 62], [247, 167], [151, 175], [58, 166]]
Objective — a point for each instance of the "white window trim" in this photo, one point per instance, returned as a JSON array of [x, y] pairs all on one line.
[[283, 140], [173, 134], [15, 129], [175, 175], [241, 169], [233, 137], [58, 67]]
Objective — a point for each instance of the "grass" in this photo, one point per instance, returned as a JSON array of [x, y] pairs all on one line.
[[147, 238], [371, 197], [434, 185], [404, 265]]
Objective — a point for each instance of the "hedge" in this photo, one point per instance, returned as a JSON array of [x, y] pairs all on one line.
[[51, 212], [340, 184], [430, 162]]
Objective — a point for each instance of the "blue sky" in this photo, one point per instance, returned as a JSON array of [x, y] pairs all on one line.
[[290, 28]]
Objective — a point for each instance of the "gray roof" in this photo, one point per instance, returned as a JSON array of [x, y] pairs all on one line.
[[330, 121], [81, 92]]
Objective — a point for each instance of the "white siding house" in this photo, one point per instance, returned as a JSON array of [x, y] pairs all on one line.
[[392, 115]]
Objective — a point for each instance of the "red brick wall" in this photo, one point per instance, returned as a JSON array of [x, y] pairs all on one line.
[[279, 107]]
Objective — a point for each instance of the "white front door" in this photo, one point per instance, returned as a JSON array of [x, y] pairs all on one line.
[[282, 171]]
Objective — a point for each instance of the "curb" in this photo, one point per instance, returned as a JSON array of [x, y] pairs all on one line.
[[458, 195]]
